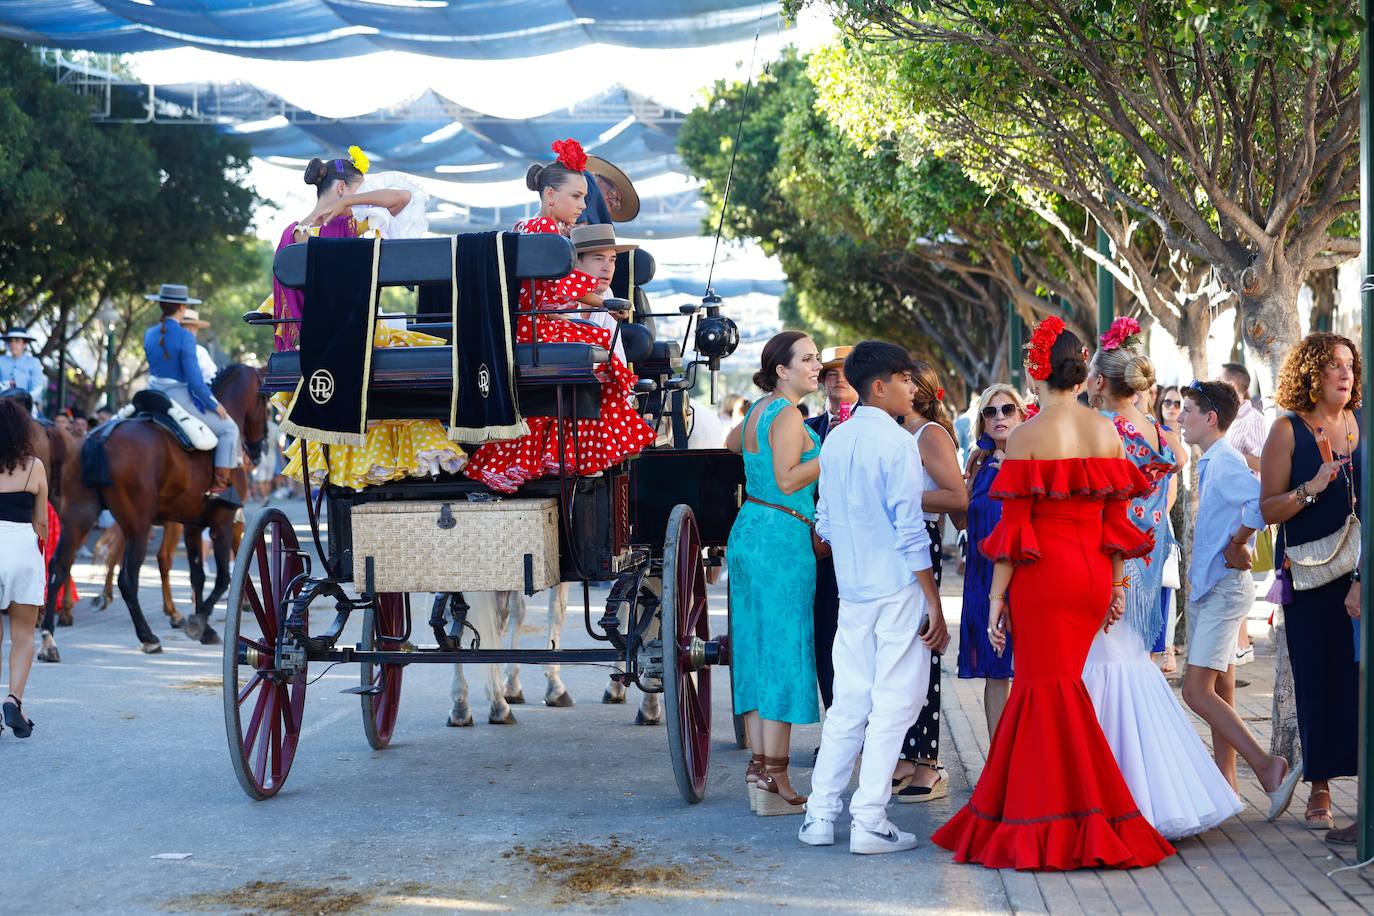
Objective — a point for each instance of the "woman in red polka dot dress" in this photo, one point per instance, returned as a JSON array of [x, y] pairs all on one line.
[[620, 432]]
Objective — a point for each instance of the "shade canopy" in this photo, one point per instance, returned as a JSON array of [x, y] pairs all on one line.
[[321, 29]]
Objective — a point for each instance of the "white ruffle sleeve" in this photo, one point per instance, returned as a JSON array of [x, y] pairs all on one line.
[[410, 223]]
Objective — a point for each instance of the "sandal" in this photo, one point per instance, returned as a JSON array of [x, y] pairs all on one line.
[[769, 796], [1318, 817], [752, 774], [912, 794], [20, 724], [904, 781], [1170, 665]]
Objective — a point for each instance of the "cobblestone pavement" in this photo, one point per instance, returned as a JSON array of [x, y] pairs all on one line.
[[571, 810]]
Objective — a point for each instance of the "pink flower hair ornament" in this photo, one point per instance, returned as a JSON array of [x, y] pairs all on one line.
[[1124, 332]]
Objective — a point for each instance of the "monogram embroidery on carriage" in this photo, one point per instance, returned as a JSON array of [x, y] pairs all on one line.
[[484, 380], [321, 386]]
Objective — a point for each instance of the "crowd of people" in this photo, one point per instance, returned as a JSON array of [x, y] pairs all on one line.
[[1078, 593]]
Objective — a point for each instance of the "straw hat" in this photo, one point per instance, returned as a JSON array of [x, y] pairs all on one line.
[[833, 357], [597, 237], [191, 319], [629, 197]]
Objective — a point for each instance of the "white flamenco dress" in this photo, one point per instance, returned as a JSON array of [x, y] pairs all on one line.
[[1168, 769]]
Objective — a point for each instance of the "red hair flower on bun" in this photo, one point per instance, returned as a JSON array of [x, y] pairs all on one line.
[[1124, 332], [939, 394], [1041, 342], [570, 154]]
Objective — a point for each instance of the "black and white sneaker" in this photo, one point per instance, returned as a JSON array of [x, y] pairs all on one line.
[[888, 838]]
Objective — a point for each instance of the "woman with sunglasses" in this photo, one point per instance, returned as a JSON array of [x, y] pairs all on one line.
[[1003, 410], [1167, 408]]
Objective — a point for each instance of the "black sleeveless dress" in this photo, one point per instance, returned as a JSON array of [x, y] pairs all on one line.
[[1321, 641]]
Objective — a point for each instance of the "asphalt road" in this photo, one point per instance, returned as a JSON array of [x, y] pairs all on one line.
[[124, 801]]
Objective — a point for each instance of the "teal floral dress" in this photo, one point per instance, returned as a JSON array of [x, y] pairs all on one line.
[[772, 588]]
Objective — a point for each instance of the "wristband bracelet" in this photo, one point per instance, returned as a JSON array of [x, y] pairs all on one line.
[[1124, 583]]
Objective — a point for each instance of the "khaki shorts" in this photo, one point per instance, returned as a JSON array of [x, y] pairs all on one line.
[[1214, 620]]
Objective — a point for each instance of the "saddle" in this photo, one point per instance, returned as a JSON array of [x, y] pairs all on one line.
[[190, 433]]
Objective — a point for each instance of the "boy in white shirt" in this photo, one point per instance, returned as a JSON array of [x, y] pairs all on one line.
[[890, 617]]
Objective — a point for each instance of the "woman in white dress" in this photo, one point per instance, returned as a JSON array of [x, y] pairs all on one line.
[[1176, 784], [23, 530]]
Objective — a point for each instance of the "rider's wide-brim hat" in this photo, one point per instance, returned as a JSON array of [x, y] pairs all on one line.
[[629, 197], [172, 292], [191, 319], [597, 237], [18, 333], [833, 357]]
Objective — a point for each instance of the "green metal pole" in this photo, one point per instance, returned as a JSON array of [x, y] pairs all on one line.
[[1365, 820], [1106, 285], [1016, 337], [111, 369]]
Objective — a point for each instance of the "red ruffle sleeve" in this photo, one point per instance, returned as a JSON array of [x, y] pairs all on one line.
[[1014, 537], [1119, 533]]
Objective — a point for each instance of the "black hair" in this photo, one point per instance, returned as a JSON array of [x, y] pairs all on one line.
[[15, 446], [1068, 362], [551, 175], [323, 175], [1218, 397], [168, 310], [1239, 372], [871, 360], [777, 352]]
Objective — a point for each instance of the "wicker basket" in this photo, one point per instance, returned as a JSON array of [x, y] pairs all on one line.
[[457, 546]]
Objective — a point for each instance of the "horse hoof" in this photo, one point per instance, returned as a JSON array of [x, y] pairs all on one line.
[[193, 627], [64, 620], [151, 648], [210, 637], [509, 719], [177, 622], [455, 722], [611, 699], [100, 602], [517, 698], [562, 701], [641, 719], [49, 654]]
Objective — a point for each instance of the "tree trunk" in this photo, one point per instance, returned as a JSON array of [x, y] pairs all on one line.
[[1269, 316], [1193, 327]]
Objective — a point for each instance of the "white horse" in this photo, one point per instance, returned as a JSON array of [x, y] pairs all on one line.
[[493, 614]]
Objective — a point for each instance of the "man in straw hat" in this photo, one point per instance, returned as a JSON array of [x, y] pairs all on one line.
[[191, 321], [616, 189], [21, 369], [595, 248]]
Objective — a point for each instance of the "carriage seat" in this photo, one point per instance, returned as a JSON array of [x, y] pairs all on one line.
[[190, 433]]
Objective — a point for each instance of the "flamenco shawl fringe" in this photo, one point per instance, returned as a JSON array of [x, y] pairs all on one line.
[[484, 406], [337, 324]]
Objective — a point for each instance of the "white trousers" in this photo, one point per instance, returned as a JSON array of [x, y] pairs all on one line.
[[882, 672]]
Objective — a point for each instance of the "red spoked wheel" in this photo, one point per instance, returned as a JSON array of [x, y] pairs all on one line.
[[262, 705], [685, 629], [382, 629]]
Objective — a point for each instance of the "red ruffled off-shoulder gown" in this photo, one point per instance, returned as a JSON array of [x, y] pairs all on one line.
[[1051, 796], [599, 443]]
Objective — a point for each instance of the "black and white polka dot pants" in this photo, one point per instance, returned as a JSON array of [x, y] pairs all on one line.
[[923, 739]]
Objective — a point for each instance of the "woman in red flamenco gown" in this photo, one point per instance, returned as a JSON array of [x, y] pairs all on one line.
[[1051, 796], [620, 431]]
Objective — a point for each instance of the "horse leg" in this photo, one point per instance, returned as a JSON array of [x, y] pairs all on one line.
[[615, 691], [555, 694], [193, 626], [221, 540], [74, 530], [460, 715], [485, 616], [135, 550], [112, 543], [511, 614], [651, 707], [171, 531]]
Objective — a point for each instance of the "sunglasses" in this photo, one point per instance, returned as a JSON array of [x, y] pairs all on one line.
[[990, 413], [1170, 402], [1200, 395]]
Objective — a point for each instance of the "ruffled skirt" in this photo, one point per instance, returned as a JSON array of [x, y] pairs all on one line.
[[1173, 778]]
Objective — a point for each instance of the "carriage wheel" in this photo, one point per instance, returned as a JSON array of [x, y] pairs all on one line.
[[686, 627], [263, 742], [379, 709]]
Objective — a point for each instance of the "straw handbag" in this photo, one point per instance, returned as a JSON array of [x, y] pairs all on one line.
[[1315, 563]]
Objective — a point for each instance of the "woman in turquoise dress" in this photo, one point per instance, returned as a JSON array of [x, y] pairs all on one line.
[[773, 570]]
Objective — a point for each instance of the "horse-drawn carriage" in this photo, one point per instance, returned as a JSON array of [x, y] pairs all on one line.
[[644, 526]]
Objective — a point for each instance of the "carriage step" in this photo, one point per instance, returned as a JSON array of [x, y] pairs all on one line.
[[364, 690]]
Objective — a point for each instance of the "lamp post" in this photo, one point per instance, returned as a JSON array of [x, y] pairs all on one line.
[[1106, 285], [1365, 805], [107, 313]]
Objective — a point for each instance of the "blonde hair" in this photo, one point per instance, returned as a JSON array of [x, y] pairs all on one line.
[[986, 397], [1126, 370]]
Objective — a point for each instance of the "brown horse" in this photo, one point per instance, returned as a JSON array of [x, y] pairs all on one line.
[[153, 481]]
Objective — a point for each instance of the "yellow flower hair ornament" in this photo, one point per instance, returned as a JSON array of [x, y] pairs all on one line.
[[359, 159]]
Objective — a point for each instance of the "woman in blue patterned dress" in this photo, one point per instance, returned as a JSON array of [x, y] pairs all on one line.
[[1002, 411], [1174, 780], [773, 570]]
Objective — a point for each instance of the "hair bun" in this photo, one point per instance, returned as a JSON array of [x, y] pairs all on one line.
[[1139, 373], [532, 176], [315, 172]]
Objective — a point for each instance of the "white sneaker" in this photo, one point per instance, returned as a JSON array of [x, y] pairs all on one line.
[[866, 842], [1245, 656], [817, 831]]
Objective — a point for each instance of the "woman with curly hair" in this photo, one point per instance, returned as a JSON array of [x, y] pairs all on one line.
[[1308, 476], [23, 529]]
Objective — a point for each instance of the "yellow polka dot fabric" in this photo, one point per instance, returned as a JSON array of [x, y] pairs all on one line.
[[393, 449]]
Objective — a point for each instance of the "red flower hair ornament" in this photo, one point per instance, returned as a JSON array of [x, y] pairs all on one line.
[[1124, 332], [570, 154], [1041, 342]]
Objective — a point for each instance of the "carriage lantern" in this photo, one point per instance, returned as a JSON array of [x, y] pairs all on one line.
[[717, 336]]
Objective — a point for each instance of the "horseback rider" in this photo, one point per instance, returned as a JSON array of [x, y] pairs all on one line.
[[191, 321], [175, 371], [20, 368]]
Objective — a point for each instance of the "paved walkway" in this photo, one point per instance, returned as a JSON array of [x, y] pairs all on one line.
[[1244, 866]]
